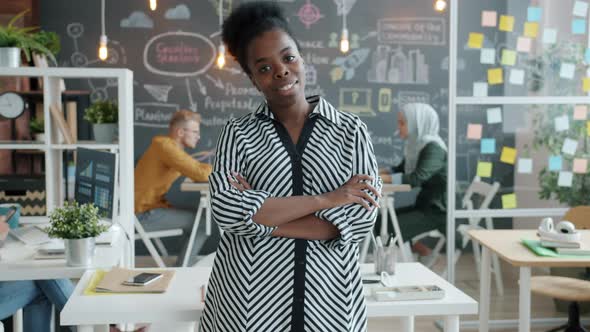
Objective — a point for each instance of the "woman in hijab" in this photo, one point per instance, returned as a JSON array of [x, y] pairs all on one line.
[[424, 166]]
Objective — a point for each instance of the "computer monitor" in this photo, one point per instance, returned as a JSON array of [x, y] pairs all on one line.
[[96, 175]]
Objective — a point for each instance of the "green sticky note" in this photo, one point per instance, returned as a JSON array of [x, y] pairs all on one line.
[[509, 201], [508, 57], [484, 169]]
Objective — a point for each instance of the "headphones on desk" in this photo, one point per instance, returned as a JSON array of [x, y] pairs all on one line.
[[565, 231]]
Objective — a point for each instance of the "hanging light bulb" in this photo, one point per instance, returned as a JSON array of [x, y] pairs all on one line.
[[103, 51], [153, 4], [221, 56], [344, 44], [440, 5]]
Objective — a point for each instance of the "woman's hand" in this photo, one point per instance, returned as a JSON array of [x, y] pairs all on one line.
[[238, 181], [353, 191]]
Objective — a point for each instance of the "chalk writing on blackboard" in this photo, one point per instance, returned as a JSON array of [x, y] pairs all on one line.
[[356, 100], [179, 54], [155, 115], [412, 31], [406, 97], [393, 65]]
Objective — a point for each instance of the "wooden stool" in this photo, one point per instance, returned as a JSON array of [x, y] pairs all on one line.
[[567, 289]]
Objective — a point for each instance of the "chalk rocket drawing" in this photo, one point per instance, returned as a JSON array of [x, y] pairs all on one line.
[[350, 62]]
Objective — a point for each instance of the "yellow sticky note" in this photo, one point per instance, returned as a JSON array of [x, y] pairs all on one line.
[[495, 76], [588, 127], [531, 29], [508, 57], [586, 84], [508, 155], [484, 169], [475, 40], [509, 201], [506, 23]]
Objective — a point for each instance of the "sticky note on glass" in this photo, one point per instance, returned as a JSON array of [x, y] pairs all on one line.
[[586, 84], [567, 70], [480, 89], [509, 201], [587, 56], [555, 163], [489, 18], [475, 40], [580, 9], [516, 76], [569, 146], [523, 44], [508, 57], [484, 169], [525, 165], [495, 76], [562, 123], [549, 36], [580, 166], [474, 131], [508, 155], [588, 128], [506, 23], [580, 112], [494, 115], [534, 14], [488, 145], [487, 56], [531, 29], [578, 27], [565, 179]]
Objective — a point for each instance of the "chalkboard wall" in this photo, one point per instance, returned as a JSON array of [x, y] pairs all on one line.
[[399, 54]]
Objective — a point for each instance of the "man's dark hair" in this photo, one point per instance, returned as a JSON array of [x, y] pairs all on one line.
[[248, 21]]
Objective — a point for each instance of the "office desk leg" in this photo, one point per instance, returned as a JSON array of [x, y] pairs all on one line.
[[17, 321], [452, 323], [524, 299], [408, 324], [484, 290]]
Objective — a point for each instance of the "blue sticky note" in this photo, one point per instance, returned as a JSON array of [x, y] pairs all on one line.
[[587, 55], [579, 27], [488, 145], [534, 14], [555, 163]]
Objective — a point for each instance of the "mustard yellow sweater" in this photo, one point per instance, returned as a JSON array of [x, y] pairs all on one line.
[[161, 164]]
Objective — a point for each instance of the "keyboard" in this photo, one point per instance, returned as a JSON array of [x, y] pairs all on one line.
[[30, 235]]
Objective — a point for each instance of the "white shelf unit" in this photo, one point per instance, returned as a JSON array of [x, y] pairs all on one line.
[[454, 101], [54, 150]]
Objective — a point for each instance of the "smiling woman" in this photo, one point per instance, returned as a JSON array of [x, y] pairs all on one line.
[[294, 187]]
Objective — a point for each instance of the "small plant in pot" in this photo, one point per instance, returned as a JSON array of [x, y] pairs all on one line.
[[104, 116], [78, 226], [37, 129]]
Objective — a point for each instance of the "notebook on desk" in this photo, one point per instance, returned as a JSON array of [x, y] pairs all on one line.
[[112, 282]]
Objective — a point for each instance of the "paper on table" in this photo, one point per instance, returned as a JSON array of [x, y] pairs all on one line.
[[569, 146], [567, 70], [580, 112], [580, 166], [508, 57], [509, 201], [489, 18], [484, 169], [531, 29], [523, 44], [580, 9], [475, 40], [534, 14], [562, 123], [508, 155], [495, 76], [565, 179], [506, 23], [488, 145], [555, 163], [480, 89], [549, 36], [525, 165], [516, 76], [494, 115], [474, 131], [579, 27], [487, 56]]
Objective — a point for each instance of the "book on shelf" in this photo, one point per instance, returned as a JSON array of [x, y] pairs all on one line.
[[112, 281], [560, 244], [60, 121]]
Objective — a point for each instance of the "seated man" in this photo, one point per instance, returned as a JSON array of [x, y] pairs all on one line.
[[161, 164]]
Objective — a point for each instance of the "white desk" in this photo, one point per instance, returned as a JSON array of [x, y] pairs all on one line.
[[202, 207], [181, 303]]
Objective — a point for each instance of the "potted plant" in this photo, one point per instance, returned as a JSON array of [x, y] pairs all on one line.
[[78, 226], [37, 127], [104, 116], [14, 39]]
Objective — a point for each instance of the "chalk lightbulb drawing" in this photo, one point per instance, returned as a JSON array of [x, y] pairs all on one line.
[[309, 14]]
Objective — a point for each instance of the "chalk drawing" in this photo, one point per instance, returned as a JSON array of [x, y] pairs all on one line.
[[158, 91], [180, 12], [356, 100], [392, 65], [309, 14], [137, 19]]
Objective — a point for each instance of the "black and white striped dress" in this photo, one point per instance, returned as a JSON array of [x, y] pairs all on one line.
[[264, 283]]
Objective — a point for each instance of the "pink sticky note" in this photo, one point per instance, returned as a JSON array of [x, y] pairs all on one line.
[[474, 131], [580, 112], [523, 44], [580, 166], [489, 18]]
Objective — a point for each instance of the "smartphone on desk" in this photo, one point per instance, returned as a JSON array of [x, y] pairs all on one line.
[[142, 279]]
